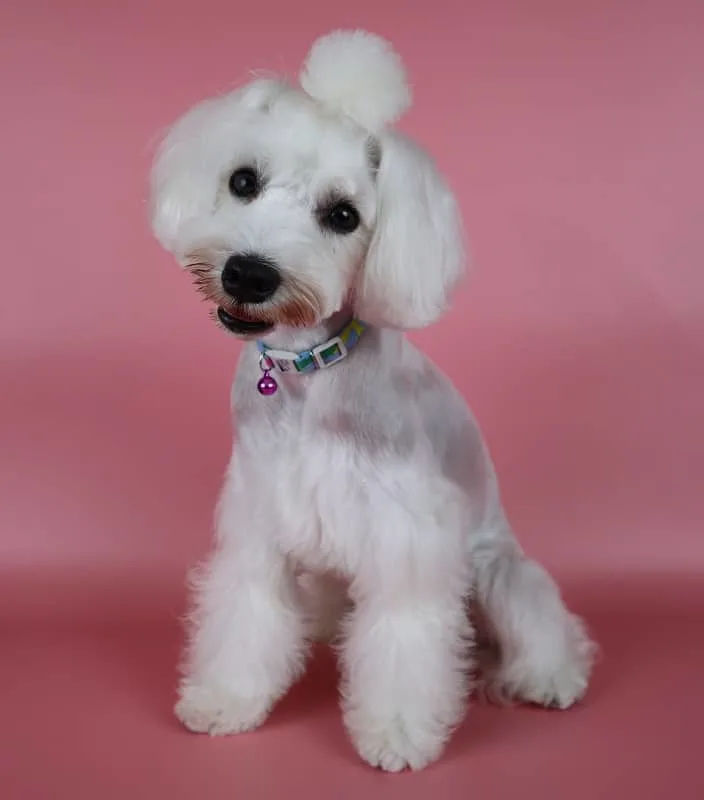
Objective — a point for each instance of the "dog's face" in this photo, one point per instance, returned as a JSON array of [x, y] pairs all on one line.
[[271, 204], [287, 211]]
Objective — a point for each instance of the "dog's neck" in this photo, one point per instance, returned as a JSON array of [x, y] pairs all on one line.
[[299, 339]]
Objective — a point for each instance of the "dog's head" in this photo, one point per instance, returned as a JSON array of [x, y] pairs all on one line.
[[289, 205]]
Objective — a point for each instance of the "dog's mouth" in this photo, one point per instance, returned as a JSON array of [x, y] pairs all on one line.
[[242, 325], [298, 304]]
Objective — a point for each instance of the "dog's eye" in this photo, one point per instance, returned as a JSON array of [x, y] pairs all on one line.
[[342, 218], [244, 183]]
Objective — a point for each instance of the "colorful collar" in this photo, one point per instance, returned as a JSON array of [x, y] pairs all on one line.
[[320, 357]]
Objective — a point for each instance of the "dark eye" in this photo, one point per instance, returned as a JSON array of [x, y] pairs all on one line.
[[244, 183], [341, 218]]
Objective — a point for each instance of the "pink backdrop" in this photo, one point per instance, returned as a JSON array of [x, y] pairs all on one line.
[[572, 132]]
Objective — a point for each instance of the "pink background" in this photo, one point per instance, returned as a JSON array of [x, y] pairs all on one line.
[[572, 132]]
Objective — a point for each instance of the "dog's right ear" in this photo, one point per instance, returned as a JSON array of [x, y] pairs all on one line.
[[179, 190], [416, 254], [188, 164]]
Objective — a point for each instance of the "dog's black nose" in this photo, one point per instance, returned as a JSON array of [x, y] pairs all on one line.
[[250, 278]]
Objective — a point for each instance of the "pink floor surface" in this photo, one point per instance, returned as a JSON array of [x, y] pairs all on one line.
[[87, 714]]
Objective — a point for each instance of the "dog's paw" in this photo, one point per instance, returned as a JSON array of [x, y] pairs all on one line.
[[218, 713], [394, 748], [554, 685], [560, 688], [554, 678]]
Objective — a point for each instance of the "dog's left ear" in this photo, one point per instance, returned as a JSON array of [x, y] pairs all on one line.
[[416, 254]]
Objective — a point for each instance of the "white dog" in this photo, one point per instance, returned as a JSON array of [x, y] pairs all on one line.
[[360, 501]]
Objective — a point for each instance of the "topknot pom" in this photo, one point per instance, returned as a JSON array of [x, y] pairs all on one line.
[[358, 74]]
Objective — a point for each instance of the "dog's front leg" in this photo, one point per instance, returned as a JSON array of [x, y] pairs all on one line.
[[247, 641], [406, 661]]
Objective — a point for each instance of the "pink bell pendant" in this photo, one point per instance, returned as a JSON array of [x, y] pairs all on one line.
[[266, 386]]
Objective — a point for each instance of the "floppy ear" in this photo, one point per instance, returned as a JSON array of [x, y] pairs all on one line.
[[188, 163], [415, 257], [181, 179]]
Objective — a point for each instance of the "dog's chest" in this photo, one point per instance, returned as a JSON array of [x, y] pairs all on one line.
[[321, 501], [339, 462]]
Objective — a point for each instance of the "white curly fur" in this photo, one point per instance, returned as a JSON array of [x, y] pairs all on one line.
[[359, 499]]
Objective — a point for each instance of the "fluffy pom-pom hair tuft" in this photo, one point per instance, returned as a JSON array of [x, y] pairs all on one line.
[[358, 74]]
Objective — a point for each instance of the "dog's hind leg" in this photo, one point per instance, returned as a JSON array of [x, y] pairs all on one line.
[[544, 652]]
